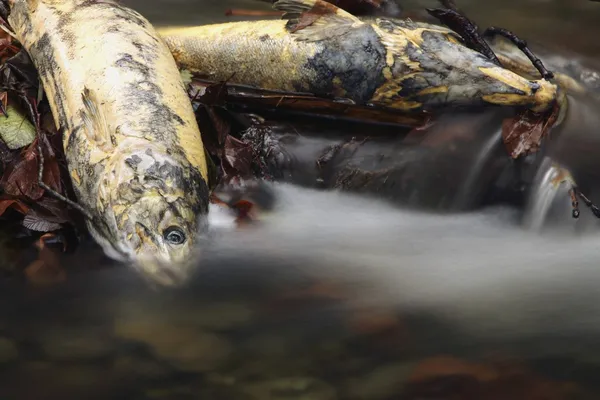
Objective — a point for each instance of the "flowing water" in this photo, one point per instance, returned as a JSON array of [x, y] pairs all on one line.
[[341, 296]]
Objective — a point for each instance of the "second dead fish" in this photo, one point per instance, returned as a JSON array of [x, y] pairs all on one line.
[[323, 50]]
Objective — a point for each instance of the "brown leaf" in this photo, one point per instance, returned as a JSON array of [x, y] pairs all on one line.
[[524, 133], [237, 158], [211, 95], [14, 204], [21, 178]]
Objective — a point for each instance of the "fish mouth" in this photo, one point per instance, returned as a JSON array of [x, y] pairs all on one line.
[[159, 273]]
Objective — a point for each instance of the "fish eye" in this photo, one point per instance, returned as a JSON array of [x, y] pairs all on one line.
[[174, 235]]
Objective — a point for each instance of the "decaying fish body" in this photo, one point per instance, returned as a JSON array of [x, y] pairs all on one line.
[[323, 50], [132, 144]]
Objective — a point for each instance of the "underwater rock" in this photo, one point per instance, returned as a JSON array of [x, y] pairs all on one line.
[[74, 343], [292, 388], [381, 383], [8, 350]]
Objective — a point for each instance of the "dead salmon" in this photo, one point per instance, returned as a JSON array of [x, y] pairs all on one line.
[[320, 49], [132, 144]]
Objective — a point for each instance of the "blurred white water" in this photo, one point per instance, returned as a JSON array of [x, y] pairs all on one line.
[[479, 270]]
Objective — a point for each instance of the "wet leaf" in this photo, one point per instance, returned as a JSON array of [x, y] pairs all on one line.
[[523, 134], [237, 158], [35, 223], [16, 131], [213, 94], [15, 204], [21, 178]]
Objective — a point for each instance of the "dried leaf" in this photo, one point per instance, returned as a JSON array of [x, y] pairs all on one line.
[[15, 204], [213, 94], [21, 178], [35, 223], [237, 158], [523, 133], [16, 131]]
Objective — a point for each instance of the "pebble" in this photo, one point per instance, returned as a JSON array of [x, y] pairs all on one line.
[[71, 344], [292, 388], [183, 347], [216, 316], [383, 382], [134, 367], [8, 350]]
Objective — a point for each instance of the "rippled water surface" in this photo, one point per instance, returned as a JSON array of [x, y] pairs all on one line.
[[338, 296]]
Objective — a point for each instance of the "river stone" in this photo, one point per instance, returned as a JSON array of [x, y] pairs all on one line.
[[183, 347], [292, 388], [218, 316], [215, 316], [73, 343], [130, 367], [383, 382], [8, 350]]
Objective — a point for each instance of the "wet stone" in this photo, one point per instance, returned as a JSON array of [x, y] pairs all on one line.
[[72, 343], [8, 350], [219, 316], [131, 367], [214, 316], [381, 383], [182, 347], [292, 388]]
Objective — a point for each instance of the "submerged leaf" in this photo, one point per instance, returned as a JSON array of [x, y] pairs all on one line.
[[16, 130]]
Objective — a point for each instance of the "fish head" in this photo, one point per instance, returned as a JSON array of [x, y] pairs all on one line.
[[158, 206], [164, 238]]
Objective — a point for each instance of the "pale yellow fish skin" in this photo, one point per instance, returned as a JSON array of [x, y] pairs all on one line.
[[145, 170], [399, 64]]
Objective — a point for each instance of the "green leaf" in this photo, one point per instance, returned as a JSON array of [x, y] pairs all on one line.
[[16, 131]]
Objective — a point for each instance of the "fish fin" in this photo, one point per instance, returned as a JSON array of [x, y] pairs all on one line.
[[94, 121], [314, 20]]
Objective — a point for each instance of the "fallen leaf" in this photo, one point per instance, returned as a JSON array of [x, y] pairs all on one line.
[[14, 204], [524, 133], [16, 131], [21, 178], [237, 158], [35, 223]]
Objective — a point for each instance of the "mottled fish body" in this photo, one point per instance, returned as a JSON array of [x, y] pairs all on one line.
[[326, 51], [132, 144]]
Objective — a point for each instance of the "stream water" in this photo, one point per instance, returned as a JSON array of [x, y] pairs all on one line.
[[342, 296]]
